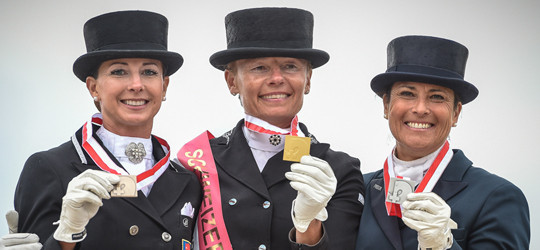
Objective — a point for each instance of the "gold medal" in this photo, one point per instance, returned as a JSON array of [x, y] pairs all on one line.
[[296, 147], [127, 187]]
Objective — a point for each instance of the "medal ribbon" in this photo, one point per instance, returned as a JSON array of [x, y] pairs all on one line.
[[258, 125], [428, 182], [197, 157], [103, 161]]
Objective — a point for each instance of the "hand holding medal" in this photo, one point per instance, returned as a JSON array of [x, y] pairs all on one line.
[[81, 202], [315, 182], [429, 215]]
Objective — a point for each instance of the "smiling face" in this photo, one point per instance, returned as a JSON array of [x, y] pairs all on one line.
[[420, 117], [129, 92], [270, 88]]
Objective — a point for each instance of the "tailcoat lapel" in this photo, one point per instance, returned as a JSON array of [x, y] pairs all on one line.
[[449, 185], [153, 207], [233, 155], [388, 224], [451, 181], [167, 189]]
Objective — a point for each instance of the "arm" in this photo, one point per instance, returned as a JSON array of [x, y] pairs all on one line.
[[503, 221], [343, 210], [80, 203], [38, 196]]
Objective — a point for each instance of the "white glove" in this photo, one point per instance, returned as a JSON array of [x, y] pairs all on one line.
[[315, 182], [429, 215], [81, 203], [18, 241]]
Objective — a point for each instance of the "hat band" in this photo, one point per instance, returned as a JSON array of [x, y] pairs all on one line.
[[299, 44], [425, 70], [132, 46]]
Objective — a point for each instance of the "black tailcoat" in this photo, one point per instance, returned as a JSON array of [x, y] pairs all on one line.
[[121, 223], [491, 212], [250, 225]]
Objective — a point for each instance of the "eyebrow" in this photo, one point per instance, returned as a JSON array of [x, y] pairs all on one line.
[[430, 90]]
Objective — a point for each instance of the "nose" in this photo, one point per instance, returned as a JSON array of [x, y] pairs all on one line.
[[136, 83], [277, 76], [421, 107]]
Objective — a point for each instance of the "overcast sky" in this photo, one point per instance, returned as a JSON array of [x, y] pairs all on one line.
[[44, 103]]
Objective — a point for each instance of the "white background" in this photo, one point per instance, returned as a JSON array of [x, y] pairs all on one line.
[[43, 103]]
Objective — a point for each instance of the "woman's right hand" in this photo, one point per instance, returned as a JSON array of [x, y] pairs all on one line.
[[81, 203]]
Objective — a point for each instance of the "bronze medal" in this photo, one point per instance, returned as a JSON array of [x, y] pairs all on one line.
[[127, 187]]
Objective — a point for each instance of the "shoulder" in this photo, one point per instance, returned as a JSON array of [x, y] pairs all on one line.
[[342, 158], [489, 182], [64, 152]]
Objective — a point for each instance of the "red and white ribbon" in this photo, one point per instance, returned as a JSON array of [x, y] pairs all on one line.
[[103, 161], [258, 125], [428, 182]]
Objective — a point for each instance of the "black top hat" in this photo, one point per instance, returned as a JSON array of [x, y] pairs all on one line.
[[269, 32], [429, 60], [126, 34]]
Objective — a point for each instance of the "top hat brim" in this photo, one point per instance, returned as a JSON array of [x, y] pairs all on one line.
[[88, 63], [220, 59], [465, 90]]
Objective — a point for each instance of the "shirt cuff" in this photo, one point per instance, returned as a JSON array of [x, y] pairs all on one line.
[[321, 245]]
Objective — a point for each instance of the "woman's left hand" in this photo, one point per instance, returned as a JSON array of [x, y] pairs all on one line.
[[315, 182], [429, 215]]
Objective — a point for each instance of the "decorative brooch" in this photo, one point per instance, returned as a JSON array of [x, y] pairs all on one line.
[[135, 152], [275, 140]]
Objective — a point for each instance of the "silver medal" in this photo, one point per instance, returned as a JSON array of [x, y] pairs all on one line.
[[398, 189]]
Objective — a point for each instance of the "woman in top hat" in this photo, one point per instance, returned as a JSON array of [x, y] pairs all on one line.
[[64, 194], [445, 201], [268, 63]]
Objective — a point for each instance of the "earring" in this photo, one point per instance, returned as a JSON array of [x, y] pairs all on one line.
[[95, 98], [385, 116], [306, 92], [164, 98], [455, 124]]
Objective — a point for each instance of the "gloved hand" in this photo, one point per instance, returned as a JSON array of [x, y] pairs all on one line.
[[81, 203], [18, 241], [315, 182], [429, 215]]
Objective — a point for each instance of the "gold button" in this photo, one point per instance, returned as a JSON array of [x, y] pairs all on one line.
[[133, 230]]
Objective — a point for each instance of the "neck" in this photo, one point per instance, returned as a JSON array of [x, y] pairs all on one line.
[[408, 154], [131, 131]]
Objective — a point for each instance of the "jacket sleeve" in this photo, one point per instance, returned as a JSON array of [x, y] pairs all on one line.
[[345, 208], [503, 222], [38, 198]]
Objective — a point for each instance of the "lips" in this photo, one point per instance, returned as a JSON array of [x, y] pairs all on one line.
[[134, 102], [420, 125]]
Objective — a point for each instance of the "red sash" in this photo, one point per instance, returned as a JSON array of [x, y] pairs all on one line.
[[197, 157], [428, 182]]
